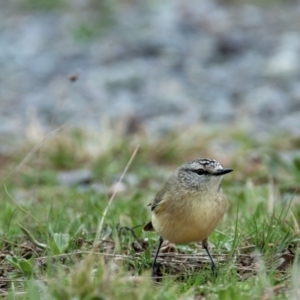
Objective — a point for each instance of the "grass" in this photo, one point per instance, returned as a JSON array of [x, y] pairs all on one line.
[[66, 241]]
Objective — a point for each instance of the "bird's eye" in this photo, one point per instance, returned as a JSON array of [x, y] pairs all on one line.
[[200, 172]]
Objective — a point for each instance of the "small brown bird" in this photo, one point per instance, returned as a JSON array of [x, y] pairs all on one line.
[[189, 206]]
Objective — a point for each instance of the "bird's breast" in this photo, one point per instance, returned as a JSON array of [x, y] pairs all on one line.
[[191, 220]]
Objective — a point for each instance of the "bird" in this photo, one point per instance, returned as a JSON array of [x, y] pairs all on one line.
[[189, 206]]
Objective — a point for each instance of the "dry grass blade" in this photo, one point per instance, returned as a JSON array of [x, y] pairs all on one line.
[[28, 156], [275, 290], [99, 229], [19, 206]]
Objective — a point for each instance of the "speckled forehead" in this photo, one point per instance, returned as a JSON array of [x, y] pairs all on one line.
[[206, 163]]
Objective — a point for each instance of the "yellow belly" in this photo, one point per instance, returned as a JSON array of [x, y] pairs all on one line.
[[191, 222]]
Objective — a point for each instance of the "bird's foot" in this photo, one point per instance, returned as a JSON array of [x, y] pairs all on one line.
[[214, 270], [156, 273]]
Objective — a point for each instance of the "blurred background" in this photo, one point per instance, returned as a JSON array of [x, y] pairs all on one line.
[[150, 66], [87, 84]]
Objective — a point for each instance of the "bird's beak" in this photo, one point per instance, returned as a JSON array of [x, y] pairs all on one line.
[[222, 172]]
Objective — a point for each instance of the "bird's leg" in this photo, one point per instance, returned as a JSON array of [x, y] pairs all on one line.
[[213, 264], [154, 265]]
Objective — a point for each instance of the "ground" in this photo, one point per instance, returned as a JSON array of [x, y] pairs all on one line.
[[68, 230]]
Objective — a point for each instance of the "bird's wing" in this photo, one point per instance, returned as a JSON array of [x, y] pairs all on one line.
[[158, 199], [148, 227]]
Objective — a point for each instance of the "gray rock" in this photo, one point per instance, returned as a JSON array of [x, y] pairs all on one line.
[[285, 62], [75, 177], [290, 123], [168, 65]]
